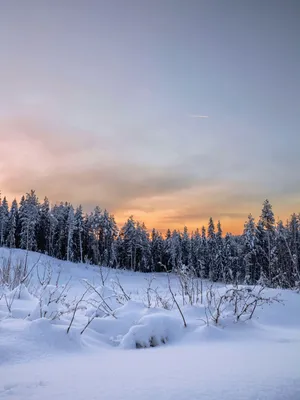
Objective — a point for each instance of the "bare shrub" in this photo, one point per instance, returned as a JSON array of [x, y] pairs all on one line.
[[189, 283], [173, 295], [101, 302], [75, 309], [104, 274], [121, 296], [242, 301], [14, 274], [154, 298], [9, 301], [149, 290]]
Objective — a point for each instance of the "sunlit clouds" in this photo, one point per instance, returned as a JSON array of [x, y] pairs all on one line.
[[67, 165]]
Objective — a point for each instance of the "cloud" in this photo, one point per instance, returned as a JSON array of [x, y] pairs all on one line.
[[86, 168], [198, 116], [50, 137], [115, 187], [198, 216], [67, 164]]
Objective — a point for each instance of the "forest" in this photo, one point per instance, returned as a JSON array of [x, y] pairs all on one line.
[[267, 252]]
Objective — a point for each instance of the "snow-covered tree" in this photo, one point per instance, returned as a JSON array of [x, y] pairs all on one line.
[[157, 251], [176, 250], [70, 232], [29, 219], [128, 244], [267, 243], [251, 266], [78, 234], [266, 252], [4, 216], [143, 250], [12, 225], [186, 251], [220, 254], [212, 251], [109, 232], [43, 228]]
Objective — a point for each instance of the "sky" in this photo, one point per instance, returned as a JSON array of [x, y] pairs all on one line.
[[170, 110]]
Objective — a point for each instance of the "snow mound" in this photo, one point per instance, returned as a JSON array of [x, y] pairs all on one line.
[[51, 303], [152, 330], [113, 328], [102, 301], [21, 293], [22, 340]]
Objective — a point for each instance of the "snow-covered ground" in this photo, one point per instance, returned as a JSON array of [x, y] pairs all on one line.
[[256, 359]]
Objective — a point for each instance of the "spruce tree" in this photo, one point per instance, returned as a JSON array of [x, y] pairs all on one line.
[[129, 244], [4, 216], [212, 251], [249, 252], [219, 262], [267, 221], [12, 225], [43, 228], [78, 234], [29, 218], [70, 232]]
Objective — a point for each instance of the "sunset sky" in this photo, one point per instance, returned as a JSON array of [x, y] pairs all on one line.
[[171, 110]]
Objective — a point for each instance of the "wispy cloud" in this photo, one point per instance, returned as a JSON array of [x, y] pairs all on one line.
[[198, 116]]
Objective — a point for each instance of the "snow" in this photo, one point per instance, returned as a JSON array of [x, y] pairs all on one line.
[[151, 331], [114, 357], [212, 371]]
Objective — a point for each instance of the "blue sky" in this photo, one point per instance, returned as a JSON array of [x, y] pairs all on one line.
[[100, 101]]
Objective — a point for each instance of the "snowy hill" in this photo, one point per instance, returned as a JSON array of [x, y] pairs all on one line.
[[74, 331]]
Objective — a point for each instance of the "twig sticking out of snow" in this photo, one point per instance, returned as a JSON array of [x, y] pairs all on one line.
[[173, 296], [75, 310]]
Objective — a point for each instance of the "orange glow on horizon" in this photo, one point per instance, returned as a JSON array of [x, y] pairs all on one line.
[[234, 226], [155, 219]]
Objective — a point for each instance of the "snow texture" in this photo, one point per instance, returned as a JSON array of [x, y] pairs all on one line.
[[130, 351]]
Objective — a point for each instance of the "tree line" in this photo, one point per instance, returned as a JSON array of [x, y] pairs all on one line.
[[266, 253]]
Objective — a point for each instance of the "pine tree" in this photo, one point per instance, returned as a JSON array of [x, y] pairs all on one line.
[[12, 225], [29, 218], [127, 251], [267, 216], [168, 250], [286, 261], [43, 228], [205, 265], [232, 266], [59, 222], [143, 250], [157, 251], [293, 245], [176, 251], [19, 223], [252, 272], [96, 234], [78, 235], [4, 216], [186, 248], [109, 232], [53, 227], [70, 233], [219, 263], [267, 221], [212, 251], [261, 255], [196, 251]]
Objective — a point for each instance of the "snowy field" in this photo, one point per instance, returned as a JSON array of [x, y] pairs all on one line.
[[100, 356]]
